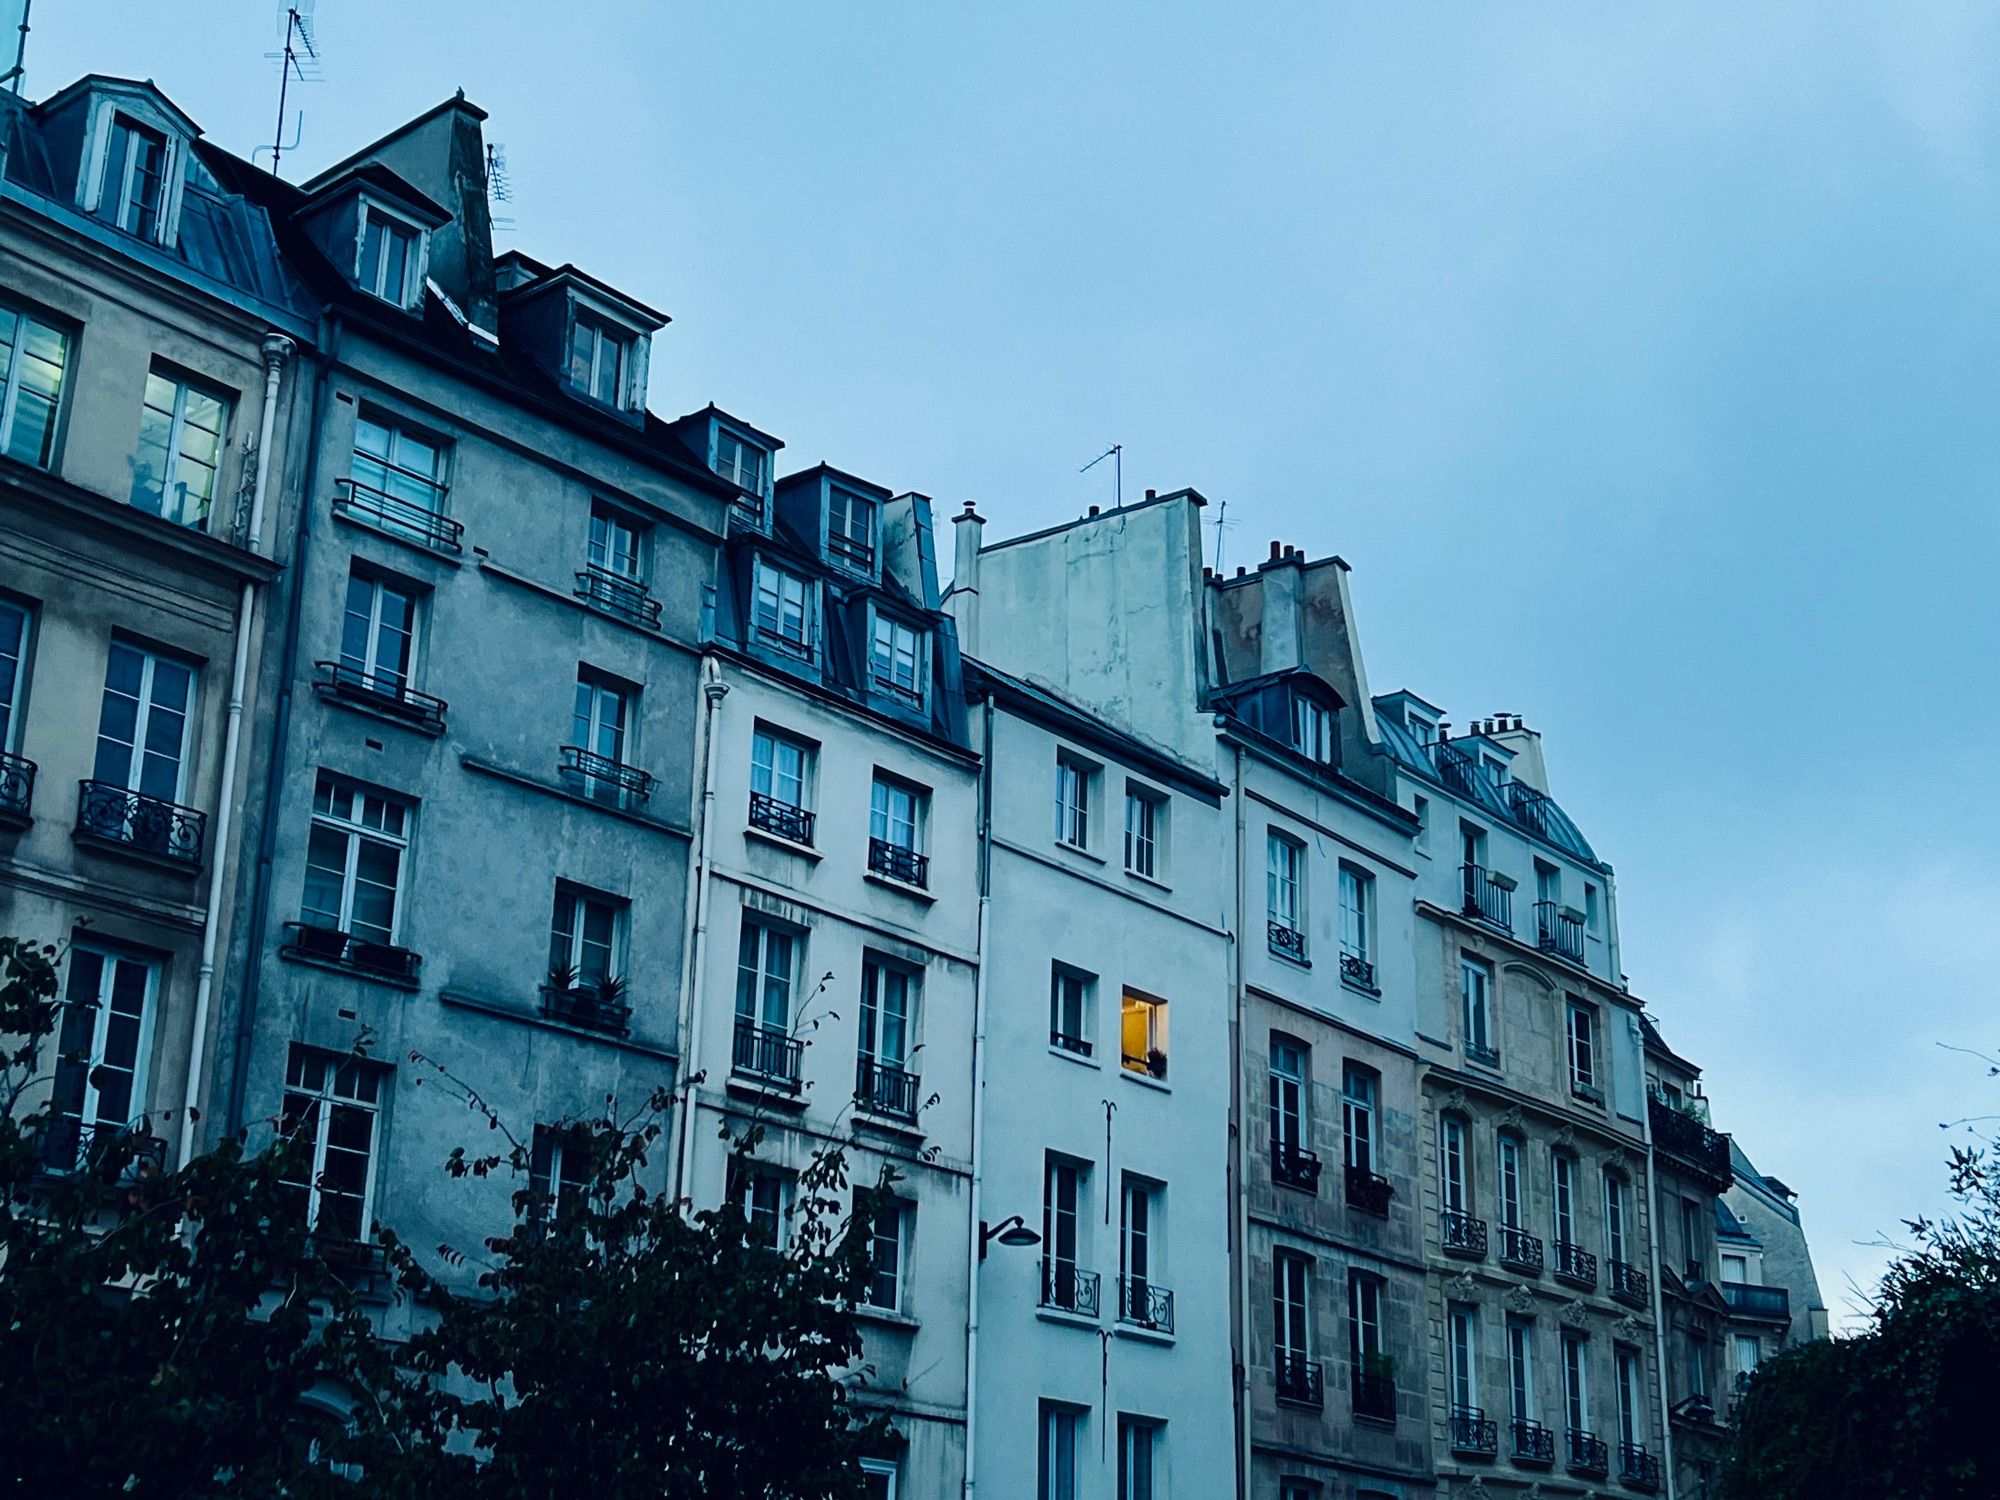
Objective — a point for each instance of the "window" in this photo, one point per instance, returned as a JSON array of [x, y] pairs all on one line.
[[599, 360], [1421, 729], [1423, 812], [1562, 1182], [1590, 906], [885, 1255], [1312, 729], [397, 479], [1693, 1252], [100, 1077], [13, 672], [1061, 1427], [142, 726], [1284, 858], [1138, 1204], [1476, 991], [782, 610], [1145, 827], [1472, 844], [850, 528], [1697, 1347], [1288, 1094], [780, 769], [888, 1011], [1629, 1399], [599, 720], [1736, 1268], [1062, 1190], [332, 1114], [389, 247], [180, 450], [896, 814], [1521, 1370], [741, 463], [1464, 1357], [584, 937], [1357, 1109], [1614, 1216], [1548, 884], [1364, 1322], [33, 359], [1291, 1281], [1357, 915], [1070, 993], [354, 861], [878, 1479], [1510, 1182], [1576, 1373], [1749, 1354], [1142, 1034], [1299, 1489], [135, 178], [896, 661], [378, 634], [759, 1193], [1454, 1166], [1582, 1026], [1072, 802], [614, 542], [766, 965], [1137, 1439], [559, 1170]]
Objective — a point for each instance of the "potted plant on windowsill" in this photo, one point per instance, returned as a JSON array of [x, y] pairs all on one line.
[[1379, 1366], [318, 940], [1156, 1062]]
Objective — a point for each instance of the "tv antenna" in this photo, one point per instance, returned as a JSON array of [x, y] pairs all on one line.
[[499, 189], [17, 74], [1221, 524], [1116, 453], [298, 58]]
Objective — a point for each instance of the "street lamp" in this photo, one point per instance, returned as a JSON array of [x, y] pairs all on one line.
[[1012, 1231]]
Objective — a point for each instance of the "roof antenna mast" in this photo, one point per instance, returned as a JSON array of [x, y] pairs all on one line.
[[16, 75], [299, 58], [1116, 453]]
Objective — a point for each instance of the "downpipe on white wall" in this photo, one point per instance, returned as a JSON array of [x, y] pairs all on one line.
[[1242, 1159], [713, 691], [277, 350], [1659, 1309], [977, 1205]]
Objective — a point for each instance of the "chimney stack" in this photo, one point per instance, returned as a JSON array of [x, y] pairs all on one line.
[[970, 527]]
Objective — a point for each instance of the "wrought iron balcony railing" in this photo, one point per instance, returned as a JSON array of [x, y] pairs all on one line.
[[1293, 1166], [768, 1055], [588, 1006], [1637, 1467], [1145, 1304], [1067, 1043], [385, 692], [885, 1089], [114, 1153], [1301, 1381], [1773, 1302], [1679, 1133], [899, 863], [1485, 898], [1473, 1432], [1455, 768], [1286, 940], [1575, 1264], [617, 594], [602, 779], [1520, 1250], [365, 955], [17, 791], [1529, 807], [781, 818], [1628, 1282], [1559, 931], [1585, 1453], [1532, 1442], [1369, 1192], [1464, 1235], [107, 813], [425, 523], [1373, 1396], [1068, 1289], [1357, 971]]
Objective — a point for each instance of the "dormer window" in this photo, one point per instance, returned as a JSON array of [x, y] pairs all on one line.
[[599, 359], [1421, 729], [1312, 729], [135, 177], [741, 463], [782, 611], [390, 256], [850, 529], [896, 659]]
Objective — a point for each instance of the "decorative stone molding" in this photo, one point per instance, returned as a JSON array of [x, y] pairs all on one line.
[[1573, 1314], [1476, 1490], [1628, 1327], [1566, 1138], [1462, 1285], [1454, 1098], [1520, 1300], [1513, 1119]]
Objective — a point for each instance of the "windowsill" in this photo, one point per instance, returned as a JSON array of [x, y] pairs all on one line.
[[1593, 1098], [1147, 1080], [1153, 880], [414, 544], [540, 1022], [292, 955], [746, 1087], [1082, 1060], [357, 705], [1143, 1334], [889, 1124], [779, 841], [901, 887], [1066, 1319], [902, 1322], [1080, 851], [118, 849], [1286, 958], [1371, 991], [1484, 1066], [563, 794]]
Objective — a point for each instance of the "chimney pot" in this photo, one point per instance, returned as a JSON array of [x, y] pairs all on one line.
[[1093, 510], [1277, 550], [1241, 570], [1152, 494]]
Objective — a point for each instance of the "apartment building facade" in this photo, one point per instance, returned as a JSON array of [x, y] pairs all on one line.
[[836, 941], [150, 390]]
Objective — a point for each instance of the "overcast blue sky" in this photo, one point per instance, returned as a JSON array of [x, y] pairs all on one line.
[[1640, 360]]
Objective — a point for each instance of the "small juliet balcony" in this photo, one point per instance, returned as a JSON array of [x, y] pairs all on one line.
[[1301, 1381], [1629, 1284], [1463, 1235], [884, 1089], [113, 817], [1145, 1304], [1488, 897], [1067, 1289], [17, 791], [619, 595], [766, 1055], [388, 694], [1575, 1265], [1532, 1443], [1358, 972], [896, 862], [1372, 1393], [421, 521], [781, 820], [1637, 1467], [1286, 940], [1520, 1251], [1295, 1167], [602, 779], [1062, 1041], [318, 943], [1559, 931], [72, 1146], [1369, 1192], [1586, 1453], [1473, 1433], [594, 1007]]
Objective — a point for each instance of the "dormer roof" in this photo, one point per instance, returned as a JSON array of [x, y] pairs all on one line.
[[108, 83], [379, 181], [712, 412], [840, 477], [457, 102], [545, 279]]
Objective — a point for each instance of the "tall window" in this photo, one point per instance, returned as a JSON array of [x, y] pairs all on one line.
[[888, 1012], [1284, 859], [1464, 1372], [1476, 992], [741, 463], [599, 721], [1749, 1354], [1614, 1216], [1693, 1252], [1521, 1370], [765, 971], [1576, 1375], [135, 178], [33, 358], [879, 1479], [1582, 1025], [1697, 1347], [354, 861], [1562, 1182], [142, 725], [1291, 1282], [100, 1076], [1062, 1190], [13, 672], [1312, 729], [1288, 1094], [1069, 1009], [1454, 1167], [378, 633], [896, 815], [1144, 816], [614, 542], [758, 1192], [885, 1255], [779, 768], [1357, 901], [1142, 1029], [559, 1169], [1630, 1403], [1509, 1156], [1137, 1201], [180, 450], [388, 257], [1072, 802], [1061, 1427], [896, 660], [782, 610], [1548, 884], [1364, 1321], [1137, 1439], [1357, 1116], [398, 477], [332, 1111], [599, 359], [850, 528], [583, 935]]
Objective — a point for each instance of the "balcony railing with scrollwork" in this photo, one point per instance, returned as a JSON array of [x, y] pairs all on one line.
[[330, 945], [1369, 1192], [1472, 1431], [1463, 1235], [1585, 1453], [1705, 1150], [1637, 1467], [884, 1089], [1145, 1304], [1520, 1250], [898, 862], [1301, 1381], [387, 693], [1373, 1396], [1558, 931], [1286, 940], [1486, 898], [1628, 1282], [17, 790], [793, 824], [767, 1055], [602, 779], [617, 594], [1575, 1264], [110, 814], [69, 1144], [1357, 971], [407, 518], [1067, 1289], [1293, 1166], [1532, 1442]]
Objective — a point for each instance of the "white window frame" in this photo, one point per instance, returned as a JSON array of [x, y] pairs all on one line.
[[1454, 1165], [616, 543], [883, 1468], [1073, 778], [165, 503], [1357, 912], [1614, 1216], [118, 198], [880, 977], [1364, 1314], [1463, 1348], [577, 901], [100, 1005], [901, 827], [1358, 1097], [139, 748], [1631, 1403], [400, 480], [14, 676], [1475, 978], [1290, 1125], [1132, 1004], [1507, 1158], [328, 1097], [1576, 1381], [11, 363], [748, 467], [747, 1182], [1521, 1370], [1145, 832], [415, 253], [607, 336], [1291, 1303], [896, 652], [1312, 729], [1061, 977], [370, 663], [1580, 1035], [1284, 881], [788, 592], [1562, 1197], [356, 830], [1059, 1439], [1132, 1430], [856, 554], [762, 977], [770, 777], [897, 1216]]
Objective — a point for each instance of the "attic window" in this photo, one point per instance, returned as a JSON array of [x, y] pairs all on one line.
[[135, 177], [1312, 729], [599, 357], [741, 463], [1422, 729], [850, 529], [389, 256]]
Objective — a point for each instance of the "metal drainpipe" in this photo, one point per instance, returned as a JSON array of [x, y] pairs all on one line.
[[277, 350], [1242, 1159], [713, 691], [978, 1102], [267, 841], [1659, 1312]]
